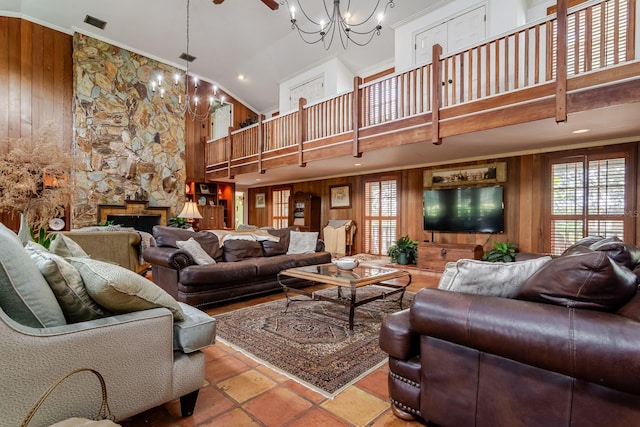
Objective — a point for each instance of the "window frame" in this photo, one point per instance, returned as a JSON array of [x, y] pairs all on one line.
[[630, 212], [398, 217], [277, 221]]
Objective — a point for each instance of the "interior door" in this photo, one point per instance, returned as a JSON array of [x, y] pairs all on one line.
[[311, 90], [221, 120], [467, 29], [425, 40]]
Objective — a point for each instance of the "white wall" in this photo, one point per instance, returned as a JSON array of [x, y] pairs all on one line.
[[502, 16], [337, 78]]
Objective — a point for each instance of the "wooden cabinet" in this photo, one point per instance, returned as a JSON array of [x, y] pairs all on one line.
[[304, 211], [434, 256], [214, 195], [212, 217]]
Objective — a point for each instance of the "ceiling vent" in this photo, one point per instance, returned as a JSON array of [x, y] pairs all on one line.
[[187, 57], [99, 23]]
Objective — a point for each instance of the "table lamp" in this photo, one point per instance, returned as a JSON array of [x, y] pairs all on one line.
[[190, 212]]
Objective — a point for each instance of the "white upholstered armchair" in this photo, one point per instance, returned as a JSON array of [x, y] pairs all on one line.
[[145, 357]]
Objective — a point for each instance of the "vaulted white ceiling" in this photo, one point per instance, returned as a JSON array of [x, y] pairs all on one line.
[[235, 37], [245, 37]]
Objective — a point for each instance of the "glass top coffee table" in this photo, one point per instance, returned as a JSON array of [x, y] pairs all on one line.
[[350, 280]]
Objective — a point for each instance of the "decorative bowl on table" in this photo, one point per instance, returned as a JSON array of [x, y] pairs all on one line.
[[345, 263]]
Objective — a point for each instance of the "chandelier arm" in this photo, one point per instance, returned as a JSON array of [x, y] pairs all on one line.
[[306, 15], [368, 17]]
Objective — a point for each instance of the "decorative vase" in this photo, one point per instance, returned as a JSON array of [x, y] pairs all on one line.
[[403, 259], [23, 233]]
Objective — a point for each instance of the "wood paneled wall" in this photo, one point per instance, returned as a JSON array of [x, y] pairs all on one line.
[[36, 80], [524, 205], [36, 84], [198, 132]]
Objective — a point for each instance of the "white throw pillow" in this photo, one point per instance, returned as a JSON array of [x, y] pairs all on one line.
[[301, 242], [501, 279], [193, 248]]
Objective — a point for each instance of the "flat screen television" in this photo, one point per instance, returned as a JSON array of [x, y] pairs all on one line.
[[468, 209]]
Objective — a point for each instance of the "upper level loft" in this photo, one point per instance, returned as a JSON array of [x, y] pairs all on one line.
[[578, 60]]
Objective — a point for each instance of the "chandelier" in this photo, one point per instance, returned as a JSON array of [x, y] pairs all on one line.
[[335, 19], [192, 103]]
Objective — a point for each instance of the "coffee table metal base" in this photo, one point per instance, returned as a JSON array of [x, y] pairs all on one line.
[[349, 300]]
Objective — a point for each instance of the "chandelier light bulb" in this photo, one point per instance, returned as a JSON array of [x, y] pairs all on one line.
[[210, 100], [195, 101], [153, 86], [176, 79], [222, 98], [162, 92], [335, 23]]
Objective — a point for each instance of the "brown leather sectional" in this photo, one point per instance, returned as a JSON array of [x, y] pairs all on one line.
[[564, 352], [242, 269]]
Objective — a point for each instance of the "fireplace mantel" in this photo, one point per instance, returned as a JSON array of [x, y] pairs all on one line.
[[133, 207]]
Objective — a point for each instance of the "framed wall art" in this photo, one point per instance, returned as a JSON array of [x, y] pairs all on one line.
[[261, 200], [204, 188], [340, 196], [466, 175]]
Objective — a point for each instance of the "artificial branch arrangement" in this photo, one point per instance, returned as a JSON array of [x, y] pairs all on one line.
[[35, 176]]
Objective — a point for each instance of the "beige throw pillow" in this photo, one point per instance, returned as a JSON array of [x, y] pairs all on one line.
[[193, 248], [66, 247], [501, 279], [66, 284], [301, 242], [121, 290]]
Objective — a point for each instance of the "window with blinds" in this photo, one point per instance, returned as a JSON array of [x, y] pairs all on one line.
[[587, 199], [381, 215], [596, 37], [280, 207]]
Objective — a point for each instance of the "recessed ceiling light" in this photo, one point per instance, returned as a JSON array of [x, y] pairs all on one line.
[[240, 76], [577, 131], [258, 179], [357, 164]]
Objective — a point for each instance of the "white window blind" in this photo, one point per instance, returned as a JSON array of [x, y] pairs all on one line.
[[280, 209], [596, 37], [587, 199], [381, 215]]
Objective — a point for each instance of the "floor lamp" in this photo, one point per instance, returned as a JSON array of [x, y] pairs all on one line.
[[191, 213]]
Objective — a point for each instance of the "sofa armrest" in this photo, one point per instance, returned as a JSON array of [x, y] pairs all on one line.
[[396, 337], [320, 245], [585, 344], [174, 258]]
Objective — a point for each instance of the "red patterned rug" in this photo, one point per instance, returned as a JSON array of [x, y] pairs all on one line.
[[311, 342]]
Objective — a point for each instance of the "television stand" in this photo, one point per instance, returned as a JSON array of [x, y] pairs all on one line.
[[434, 256]]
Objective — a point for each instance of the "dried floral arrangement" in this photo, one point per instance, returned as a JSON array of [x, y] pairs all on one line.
[[36, 176]]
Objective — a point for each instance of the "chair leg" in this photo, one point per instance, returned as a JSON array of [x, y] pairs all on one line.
[[188, 403]]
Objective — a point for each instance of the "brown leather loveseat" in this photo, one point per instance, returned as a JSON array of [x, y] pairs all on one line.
[[243, 268], [564, 351]]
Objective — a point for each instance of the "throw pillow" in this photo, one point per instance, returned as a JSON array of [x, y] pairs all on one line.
[[24, 294], [589, 280], [500, 279], [280, 247], [66, 247], [121, 290], [193, 248], [301, 242], [167, 236], [66, 284], [236, 250]]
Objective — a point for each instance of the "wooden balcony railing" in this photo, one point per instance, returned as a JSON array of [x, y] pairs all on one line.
[[529, 64]]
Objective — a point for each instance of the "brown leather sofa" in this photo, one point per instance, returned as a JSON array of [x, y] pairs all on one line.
[[242, 269], [564, 352]]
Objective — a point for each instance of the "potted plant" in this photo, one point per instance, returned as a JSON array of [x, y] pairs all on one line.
[[503, 252], [404, 251]]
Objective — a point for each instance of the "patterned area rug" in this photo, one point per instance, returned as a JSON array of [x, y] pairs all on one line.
[[311, 342]]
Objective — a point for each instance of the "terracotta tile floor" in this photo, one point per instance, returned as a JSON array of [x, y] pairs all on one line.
[[241, 392]]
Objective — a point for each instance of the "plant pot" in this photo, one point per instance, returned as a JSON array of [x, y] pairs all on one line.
[[403, 259]]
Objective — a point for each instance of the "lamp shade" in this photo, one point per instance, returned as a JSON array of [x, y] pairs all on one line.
[[190, 211]]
